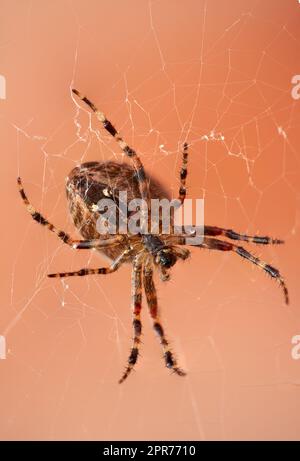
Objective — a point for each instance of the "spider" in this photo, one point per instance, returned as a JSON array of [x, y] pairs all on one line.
[[91, 181]]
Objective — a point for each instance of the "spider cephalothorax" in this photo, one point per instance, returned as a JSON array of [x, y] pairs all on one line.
[[166, 257], [93, 181]]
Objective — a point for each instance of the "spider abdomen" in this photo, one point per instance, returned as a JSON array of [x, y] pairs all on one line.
[[91, 182]]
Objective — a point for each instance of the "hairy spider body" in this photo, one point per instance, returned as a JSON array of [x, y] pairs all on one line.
[[93, 181]]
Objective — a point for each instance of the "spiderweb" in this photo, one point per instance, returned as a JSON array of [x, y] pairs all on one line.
[[218, 77]]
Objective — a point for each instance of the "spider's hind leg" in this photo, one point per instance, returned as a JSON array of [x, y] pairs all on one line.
[[183, 174], [101, 270], [66, 238], [131, 153]]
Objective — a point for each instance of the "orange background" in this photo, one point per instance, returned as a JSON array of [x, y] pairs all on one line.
[[163, 72]]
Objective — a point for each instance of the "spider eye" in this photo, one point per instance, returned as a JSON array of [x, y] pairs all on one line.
[[166, 258]]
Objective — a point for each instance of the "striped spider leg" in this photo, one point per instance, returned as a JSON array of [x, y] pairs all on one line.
[[131, 153], [143, 263], [151, 297], [101, 270], [183, 174], [211, 243], [215, 231], [136, 304], [76, 244]]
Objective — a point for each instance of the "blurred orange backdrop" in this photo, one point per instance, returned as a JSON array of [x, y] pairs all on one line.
[[219, 75]]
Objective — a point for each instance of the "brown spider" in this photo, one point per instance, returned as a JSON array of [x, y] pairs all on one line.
[[92, 181]]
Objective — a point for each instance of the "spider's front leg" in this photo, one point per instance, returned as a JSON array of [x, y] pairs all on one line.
[[215, 244], [211, 243], [151, 297], [215, 231], [136, 302]]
